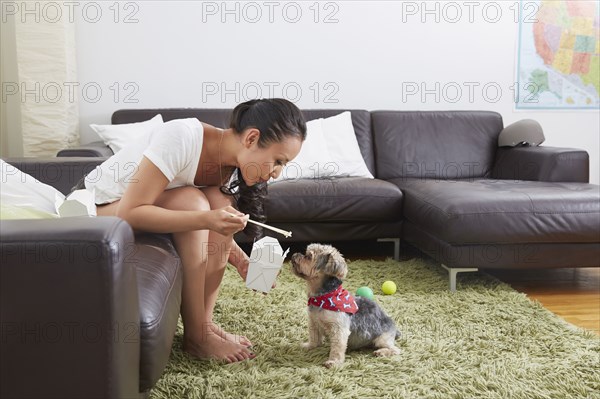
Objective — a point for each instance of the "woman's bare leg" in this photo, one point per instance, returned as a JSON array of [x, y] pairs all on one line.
[[219, 248], [192, 247]]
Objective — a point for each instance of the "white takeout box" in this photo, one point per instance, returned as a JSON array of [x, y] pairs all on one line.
[[78, 203], [266, 260]]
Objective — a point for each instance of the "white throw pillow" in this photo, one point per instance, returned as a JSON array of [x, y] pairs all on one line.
[[13, 212], [343, 146], [314, 160], [119, 136], [25, 191]]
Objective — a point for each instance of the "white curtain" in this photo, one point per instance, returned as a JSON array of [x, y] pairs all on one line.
[[45, 88], [11, 143]]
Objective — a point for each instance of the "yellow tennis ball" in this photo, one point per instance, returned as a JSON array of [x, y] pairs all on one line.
[[388, 288]]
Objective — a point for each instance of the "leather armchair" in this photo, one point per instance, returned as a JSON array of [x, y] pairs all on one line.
[[70, 311], [87, 308]]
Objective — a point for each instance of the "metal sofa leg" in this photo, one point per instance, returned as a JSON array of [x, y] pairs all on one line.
[[396, 242], [453, 271]]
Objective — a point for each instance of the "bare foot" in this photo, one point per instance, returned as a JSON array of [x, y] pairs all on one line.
[[238, 339], [215, 347]]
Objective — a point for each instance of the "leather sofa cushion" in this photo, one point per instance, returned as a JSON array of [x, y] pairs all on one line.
[[361, 121], [503, 211], [347, 199], [435, 144], [159, 279]]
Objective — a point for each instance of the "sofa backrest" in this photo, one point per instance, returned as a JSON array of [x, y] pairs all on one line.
[[62, 173], [435, 144], [361, 120]]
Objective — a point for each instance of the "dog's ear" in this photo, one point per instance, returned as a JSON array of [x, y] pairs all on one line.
[[321, 262], [332, 264], [340, 269]]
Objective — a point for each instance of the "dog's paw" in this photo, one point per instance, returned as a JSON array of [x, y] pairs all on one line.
[[386, 352], [308, 346], [333, 363]]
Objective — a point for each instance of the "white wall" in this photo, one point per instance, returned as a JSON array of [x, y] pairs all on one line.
[[177, 52]]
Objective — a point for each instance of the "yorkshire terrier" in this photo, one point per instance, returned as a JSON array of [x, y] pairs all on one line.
[[335, 314]]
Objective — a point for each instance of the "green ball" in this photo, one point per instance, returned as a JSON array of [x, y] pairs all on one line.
[[365, 292], [388, 288]]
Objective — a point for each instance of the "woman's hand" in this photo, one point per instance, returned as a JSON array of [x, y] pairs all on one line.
[[226, 221], [241, 265], [241, 262]]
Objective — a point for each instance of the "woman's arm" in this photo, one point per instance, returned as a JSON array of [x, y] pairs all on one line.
[[138, 209]]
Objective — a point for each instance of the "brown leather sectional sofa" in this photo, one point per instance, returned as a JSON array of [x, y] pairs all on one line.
[[89, 310]]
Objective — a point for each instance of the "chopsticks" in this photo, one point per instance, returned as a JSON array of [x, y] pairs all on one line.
[[287, 234]]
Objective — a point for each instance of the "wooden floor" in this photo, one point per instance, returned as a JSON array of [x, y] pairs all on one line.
[[573, 294]]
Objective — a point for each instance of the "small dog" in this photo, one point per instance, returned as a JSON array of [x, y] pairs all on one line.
[[334, 313]]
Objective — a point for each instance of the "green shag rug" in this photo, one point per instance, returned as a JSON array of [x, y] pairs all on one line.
[[484, 341]]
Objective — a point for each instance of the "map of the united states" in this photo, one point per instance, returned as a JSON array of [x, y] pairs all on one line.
[[559, 65]]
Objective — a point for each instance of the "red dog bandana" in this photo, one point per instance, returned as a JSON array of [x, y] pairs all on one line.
[[339, 300]]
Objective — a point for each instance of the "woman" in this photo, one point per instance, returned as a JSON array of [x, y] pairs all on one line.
[[173, 182]]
